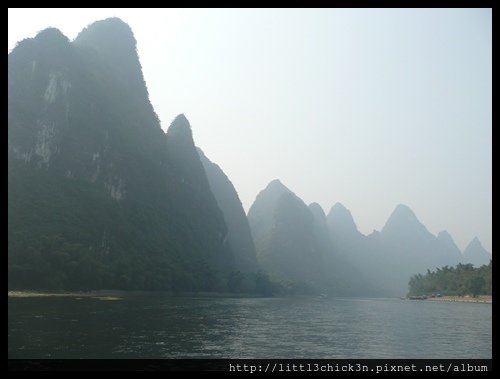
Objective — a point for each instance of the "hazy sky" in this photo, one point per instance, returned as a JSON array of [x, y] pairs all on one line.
[[370, 108]]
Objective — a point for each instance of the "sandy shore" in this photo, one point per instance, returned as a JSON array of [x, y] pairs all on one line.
[[117, 295], [464, 299], [102, 295]]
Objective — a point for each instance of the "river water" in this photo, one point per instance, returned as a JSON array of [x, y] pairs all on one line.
[[160, 326]]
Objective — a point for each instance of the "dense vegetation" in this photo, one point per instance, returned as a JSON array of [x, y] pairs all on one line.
[[461, 280], [98, 195]]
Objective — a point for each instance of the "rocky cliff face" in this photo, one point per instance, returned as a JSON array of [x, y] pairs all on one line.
[[99, 195]]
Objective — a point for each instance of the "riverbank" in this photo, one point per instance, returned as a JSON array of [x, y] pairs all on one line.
[[102, 295], [464, 299], [118, 294]]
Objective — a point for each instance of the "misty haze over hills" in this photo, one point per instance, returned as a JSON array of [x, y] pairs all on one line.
[[101, 197], [384, 259], [475, 253]]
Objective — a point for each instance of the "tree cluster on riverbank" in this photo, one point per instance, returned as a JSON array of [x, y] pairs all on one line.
[[460, 280]]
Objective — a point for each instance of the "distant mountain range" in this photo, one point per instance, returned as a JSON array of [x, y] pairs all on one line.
[[99, 196], [383, 261]]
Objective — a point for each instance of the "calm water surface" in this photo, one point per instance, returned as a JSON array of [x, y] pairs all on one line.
[[297, 327]]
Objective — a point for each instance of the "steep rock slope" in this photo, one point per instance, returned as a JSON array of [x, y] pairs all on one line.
[[98, 195], [239, 235]]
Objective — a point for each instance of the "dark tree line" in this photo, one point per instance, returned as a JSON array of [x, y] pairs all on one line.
[[461, 280]]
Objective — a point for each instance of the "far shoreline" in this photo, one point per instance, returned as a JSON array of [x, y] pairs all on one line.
[[119, 294], [482, 299]]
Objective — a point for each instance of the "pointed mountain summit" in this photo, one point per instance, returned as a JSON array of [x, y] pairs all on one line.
[[351, 247], [409, 248], [340, 221], [189, 185], [180, 129], [402, 214], [448, 241], [476, 254], [284, 233], [405, 232], [184, 159], [475, 243], [318, 212], [111, 34], [261, 213], [445, 237], [239, 235], [51, 35], [110, 45], [319, 217], [275, 188], [49, 43], [450, 254], [403, 223], [113, 41], [51, 38]]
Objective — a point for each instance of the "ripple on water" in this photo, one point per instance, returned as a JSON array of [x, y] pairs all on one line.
[[163, 327]]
